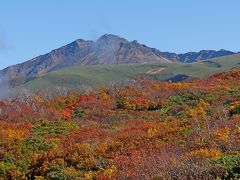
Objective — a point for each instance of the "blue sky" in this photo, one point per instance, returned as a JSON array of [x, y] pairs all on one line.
[[29, 28]]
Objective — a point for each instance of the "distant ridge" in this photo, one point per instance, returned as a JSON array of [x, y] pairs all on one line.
[[196, 56], [108, 49]]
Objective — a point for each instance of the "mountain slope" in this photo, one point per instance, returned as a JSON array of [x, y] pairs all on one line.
[[95, 75], [109, 49]]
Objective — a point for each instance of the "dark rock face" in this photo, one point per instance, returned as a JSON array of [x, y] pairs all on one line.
[[108, 49]]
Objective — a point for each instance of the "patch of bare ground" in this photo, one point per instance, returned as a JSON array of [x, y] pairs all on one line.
[[155, 71]]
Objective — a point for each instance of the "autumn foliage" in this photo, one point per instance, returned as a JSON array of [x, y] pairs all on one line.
[[144, 130]]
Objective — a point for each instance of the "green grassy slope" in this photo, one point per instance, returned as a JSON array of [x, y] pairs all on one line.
[[89, 75], [105, 74]]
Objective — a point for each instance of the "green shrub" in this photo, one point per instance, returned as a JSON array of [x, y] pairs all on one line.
[[5, 166], [78, 113], [235, 110], [36, 144], [56, 175], [189, 98], [230, 164], [53, 128], [121, 103]]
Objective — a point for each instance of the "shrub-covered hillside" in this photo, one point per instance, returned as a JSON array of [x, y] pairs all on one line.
[[144, 130]]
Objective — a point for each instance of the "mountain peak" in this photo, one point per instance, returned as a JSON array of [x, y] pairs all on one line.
[[110, 37], [108, 49], [224, 50]]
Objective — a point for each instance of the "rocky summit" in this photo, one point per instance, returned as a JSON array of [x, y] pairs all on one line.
[[108, 49]]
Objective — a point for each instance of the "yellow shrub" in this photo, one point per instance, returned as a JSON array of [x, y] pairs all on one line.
[[199, 110], [222, 134], [109, 172], [205, 153], [151, 132], [14, 134]]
